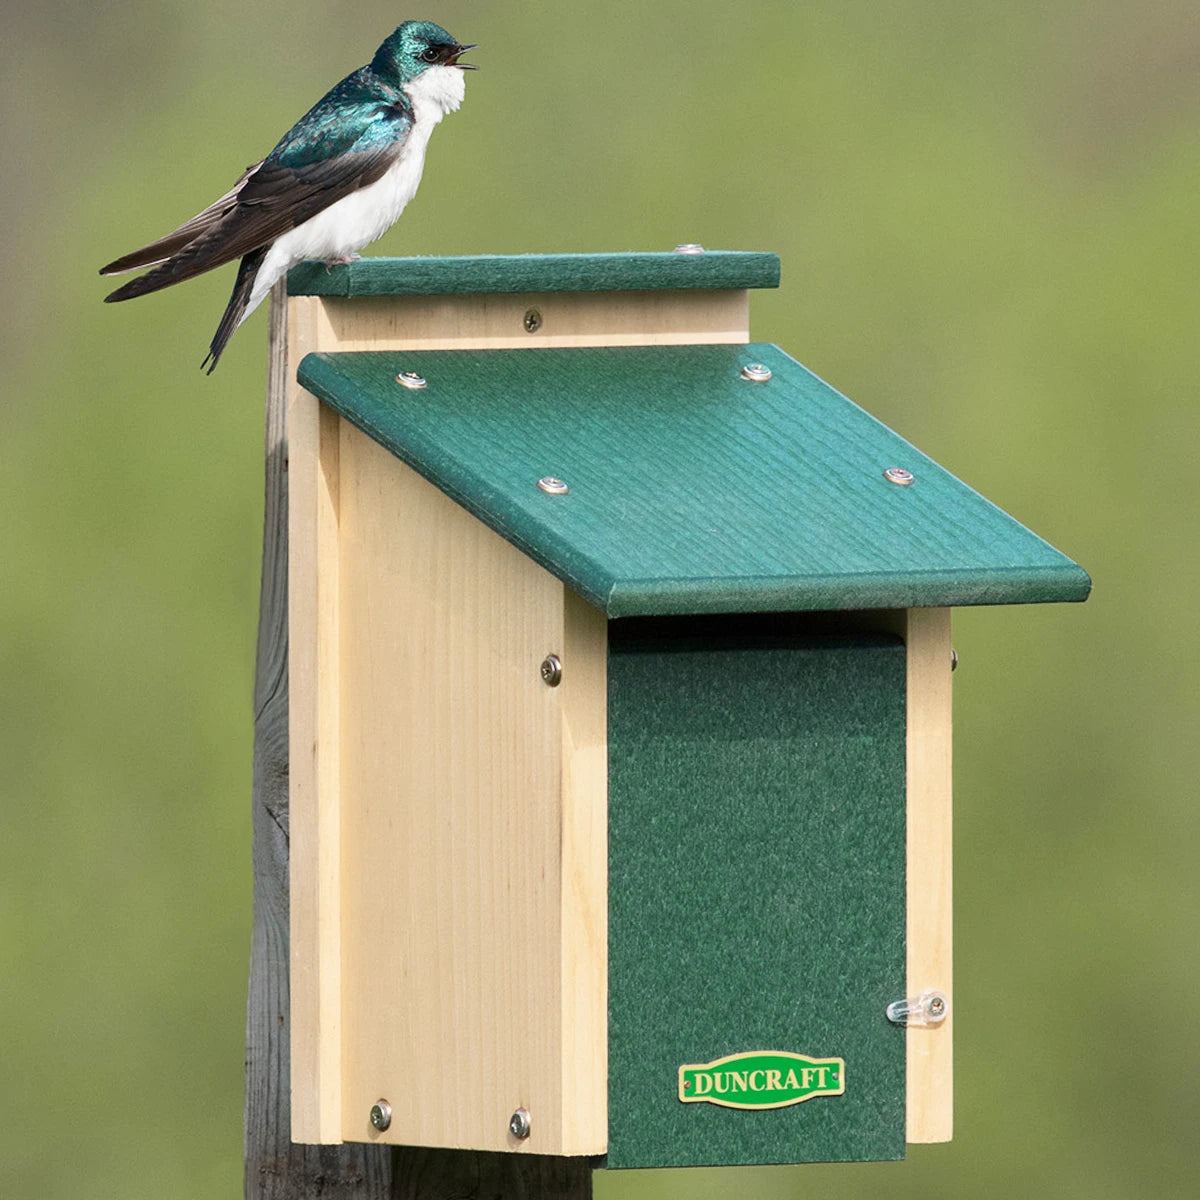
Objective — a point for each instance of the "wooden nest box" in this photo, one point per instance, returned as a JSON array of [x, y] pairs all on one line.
[[620, 720]]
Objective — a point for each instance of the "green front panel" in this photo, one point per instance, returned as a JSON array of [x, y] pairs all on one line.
[[756, 884]]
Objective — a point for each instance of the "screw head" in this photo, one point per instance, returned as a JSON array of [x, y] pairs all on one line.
[[551, 670], [519, 1123], [689, 248], [381, 1115], [555, 487], [937, 1006], [532, 321], [410, 379], [898, 475], [756, 372]]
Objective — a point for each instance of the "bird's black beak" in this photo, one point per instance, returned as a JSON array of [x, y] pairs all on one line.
[[452, 58]]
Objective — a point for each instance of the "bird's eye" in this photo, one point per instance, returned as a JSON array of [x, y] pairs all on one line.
[[429, 55]]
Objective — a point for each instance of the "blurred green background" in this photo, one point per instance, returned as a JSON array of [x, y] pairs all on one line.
[[987, 216]]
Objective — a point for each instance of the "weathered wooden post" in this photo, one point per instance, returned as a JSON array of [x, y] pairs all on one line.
[[619, 734]]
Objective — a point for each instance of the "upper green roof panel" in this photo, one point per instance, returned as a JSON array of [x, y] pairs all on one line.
[[691, 488], [536, 273]]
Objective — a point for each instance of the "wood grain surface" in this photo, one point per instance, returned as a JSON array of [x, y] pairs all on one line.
[[473, 826]]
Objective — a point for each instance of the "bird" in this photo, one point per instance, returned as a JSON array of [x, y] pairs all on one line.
[[337, 180]]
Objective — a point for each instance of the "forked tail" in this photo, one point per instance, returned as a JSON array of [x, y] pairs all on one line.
[[236, 308]]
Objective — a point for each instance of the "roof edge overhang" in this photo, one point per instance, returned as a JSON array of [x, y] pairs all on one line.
[[509, 273], [479, 434], [839, 593]]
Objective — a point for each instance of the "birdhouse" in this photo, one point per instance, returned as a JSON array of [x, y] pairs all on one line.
[[620, 719]]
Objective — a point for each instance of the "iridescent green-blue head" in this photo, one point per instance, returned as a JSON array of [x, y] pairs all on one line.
[[416, 47]]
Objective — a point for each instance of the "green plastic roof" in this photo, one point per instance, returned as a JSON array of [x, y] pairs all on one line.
[[692, 489], [449, 276]]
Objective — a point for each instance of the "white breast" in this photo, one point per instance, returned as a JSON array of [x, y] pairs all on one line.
[[354, 221]]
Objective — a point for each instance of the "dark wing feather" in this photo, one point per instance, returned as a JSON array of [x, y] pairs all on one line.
[[347, 141], [285, 198], [173, 242]]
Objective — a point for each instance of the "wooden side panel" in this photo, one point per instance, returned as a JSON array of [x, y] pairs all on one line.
[[585, 874], [567, 319], [930, 877], [313, 741], [467, 870], [930, 893]]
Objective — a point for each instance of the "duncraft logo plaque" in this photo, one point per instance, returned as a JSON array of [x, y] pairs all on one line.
[[761, 1079]]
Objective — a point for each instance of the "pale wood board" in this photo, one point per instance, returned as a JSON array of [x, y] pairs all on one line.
[[930, 1049], [584, 900], [314, 748], [568, 319], [470, 872]]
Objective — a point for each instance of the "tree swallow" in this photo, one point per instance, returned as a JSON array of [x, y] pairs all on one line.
[[338, 179]]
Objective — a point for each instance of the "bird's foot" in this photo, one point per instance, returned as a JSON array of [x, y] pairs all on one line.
[[330, 263]]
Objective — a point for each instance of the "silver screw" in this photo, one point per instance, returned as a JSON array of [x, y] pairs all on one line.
[[898, 475], [411, 379], [551, 670], [689, 248], [953, 659], [519, 1123], [937, 1007], [556, 487], [533, 321], [756, 372], [381, 1115]]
